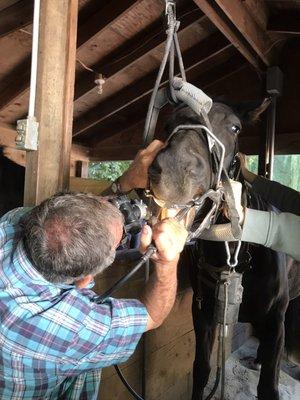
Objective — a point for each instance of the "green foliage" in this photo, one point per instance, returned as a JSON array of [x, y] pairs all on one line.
[[252, 163], [286, 169], [107, 170]]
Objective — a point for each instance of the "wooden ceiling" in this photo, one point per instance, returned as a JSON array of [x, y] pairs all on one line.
[[226, 44]]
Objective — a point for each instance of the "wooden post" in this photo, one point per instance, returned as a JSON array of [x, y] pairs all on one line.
[[47, 169], [82, 169]]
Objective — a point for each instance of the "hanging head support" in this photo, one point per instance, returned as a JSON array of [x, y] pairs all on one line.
[[179, 91]]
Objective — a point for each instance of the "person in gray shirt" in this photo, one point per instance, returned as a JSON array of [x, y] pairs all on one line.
[[279, 231]]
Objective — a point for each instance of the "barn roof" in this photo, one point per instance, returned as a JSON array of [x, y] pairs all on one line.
[[227, 46]]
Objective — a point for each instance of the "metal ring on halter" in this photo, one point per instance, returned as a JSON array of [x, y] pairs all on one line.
[[235, 256]]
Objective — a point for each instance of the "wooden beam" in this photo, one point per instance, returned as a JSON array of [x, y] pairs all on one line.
[[133, 50], [249, 28], [17, 156], [114, 153], [287, 21], [16, 16], [111, 131], [233, 20], [7, 3], [200, 54], [17, 83], [47, 169], [102, 19], [7, 140], [78, 154], [220, 72], [7, 136]]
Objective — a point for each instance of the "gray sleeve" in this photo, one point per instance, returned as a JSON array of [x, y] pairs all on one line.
[[280, 196], [280, 232]]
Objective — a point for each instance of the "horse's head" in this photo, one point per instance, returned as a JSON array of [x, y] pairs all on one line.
[[183, 169]]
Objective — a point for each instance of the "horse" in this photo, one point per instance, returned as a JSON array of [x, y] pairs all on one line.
[[183, 170]]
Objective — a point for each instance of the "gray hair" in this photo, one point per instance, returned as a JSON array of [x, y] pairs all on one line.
[[70, 236]]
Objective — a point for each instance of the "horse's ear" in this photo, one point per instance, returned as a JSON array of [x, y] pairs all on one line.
[[251, 112], [253, 115]]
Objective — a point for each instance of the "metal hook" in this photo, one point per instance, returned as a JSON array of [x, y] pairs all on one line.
[[234, 263], [170, 12]]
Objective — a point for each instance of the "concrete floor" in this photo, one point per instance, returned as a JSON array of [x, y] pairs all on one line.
[[242, 377]]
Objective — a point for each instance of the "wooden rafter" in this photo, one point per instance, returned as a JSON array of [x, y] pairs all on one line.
[[232, 18], [101, 19], [133, 50], [194, 57], [134, 116], [111, 153], [16, 16], [17, 83], [287, 21]]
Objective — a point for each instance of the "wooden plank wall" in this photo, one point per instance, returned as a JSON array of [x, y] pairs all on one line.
[[169, 349]]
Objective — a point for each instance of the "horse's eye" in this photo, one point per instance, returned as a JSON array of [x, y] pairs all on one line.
[[235, 129]]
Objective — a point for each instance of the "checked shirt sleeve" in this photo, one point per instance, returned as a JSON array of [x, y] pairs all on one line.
[[111, 332], [14, 216]]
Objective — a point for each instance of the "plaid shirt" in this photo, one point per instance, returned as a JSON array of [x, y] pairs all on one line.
[[54, 340]]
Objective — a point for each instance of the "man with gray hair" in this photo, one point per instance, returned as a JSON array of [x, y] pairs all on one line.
[[54, 337]]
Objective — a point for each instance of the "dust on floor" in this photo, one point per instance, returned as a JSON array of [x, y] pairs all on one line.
[[242, 377]]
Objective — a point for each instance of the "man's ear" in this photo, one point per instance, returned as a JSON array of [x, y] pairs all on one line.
[[83, 282]]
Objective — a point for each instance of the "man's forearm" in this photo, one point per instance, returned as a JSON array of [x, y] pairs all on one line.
[[160, 293]]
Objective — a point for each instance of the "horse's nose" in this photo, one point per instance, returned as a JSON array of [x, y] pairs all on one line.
[[154, 171]]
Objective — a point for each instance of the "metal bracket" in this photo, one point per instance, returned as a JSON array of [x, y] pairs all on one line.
[[27, 134]]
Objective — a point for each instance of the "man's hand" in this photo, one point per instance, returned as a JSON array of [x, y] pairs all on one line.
[[136, 176], [248, 175], [169, 237], [159, 295]]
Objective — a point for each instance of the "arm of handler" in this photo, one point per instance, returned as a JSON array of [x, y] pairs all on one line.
[[159, 295], [280, 232], [280, 196]]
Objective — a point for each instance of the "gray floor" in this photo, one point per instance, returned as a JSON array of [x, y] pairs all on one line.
[[242, 377]]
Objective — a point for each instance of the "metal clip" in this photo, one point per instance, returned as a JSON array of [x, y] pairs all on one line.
[[234, 263], [170, 11]]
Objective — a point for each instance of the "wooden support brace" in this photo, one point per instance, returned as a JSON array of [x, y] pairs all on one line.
[[233, 20]]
